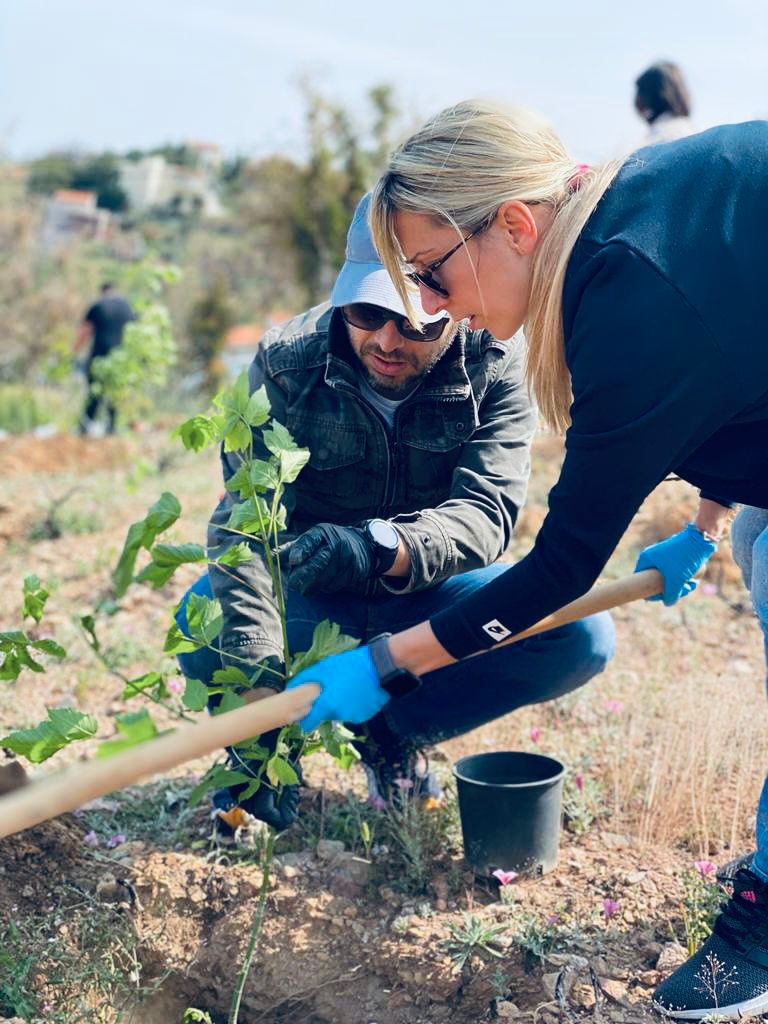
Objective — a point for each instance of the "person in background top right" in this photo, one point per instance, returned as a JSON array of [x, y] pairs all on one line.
[[663, 100]]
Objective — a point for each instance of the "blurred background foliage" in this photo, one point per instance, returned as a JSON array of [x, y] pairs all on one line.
[[271, 249]]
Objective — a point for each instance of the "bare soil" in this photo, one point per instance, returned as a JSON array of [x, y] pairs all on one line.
[[673, 733]]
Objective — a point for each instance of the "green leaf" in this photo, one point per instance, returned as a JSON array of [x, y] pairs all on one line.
[[160, 516], [231, 674], [240, 480], [336, 739], [238, 437], [89, 627], [264, 476], [251, 516], [135, 727], [49, 647], [279, 772], [230, 702], [195, 695], [11, 637], [234, 400], [258, 409], [204, 618], [146, 682], [291, 464], [176, 642], [327, 639], [278, 439], [63, 726], [35, 596], [199, 432], [236, 555], [166, 558]]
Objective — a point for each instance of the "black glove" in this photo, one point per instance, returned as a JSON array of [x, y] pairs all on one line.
[[328, 558], [280, 810]]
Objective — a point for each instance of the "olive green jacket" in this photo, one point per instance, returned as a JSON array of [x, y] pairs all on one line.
[[451, 475]]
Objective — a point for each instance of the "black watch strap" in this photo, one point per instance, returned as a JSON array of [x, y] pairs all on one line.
[[396, 681]]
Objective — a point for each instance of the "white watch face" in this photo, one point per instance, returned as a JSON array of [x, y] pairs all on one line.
[[384, 533]]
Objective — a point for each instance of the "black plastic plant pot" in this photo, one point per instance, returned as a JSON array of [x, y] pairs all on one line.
[[510, 805]]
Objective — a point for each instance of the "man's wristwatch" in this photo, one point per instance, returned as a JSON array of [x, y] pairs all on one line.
[[395, 681], [385, 543]]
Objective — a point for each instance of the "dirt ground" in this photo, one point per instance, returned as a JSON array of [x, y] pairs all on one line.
[[671, 733]]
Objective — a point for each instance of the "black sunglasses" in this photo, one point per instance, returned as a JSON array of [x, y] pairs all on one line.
[[427, 277], [370, 318]]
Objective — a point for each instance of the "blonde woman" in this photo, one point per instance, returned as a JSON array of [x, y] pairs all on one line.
[[642, 290]]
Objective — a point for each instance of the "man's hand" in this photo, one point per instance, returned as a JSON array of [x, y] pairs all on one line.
[[327, 558], [678, 558], [280, 810], [350, 689]]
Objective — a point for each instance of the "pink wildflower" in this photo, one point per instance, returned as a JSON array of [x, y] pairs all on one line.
[[404, 783], [614, 707], [578, 781], [552, 920], [377, 802], [91, 839], [705, 867], [710, 589], [610, 907], [175, 685], [504, 877], [535, 734], [115, 840]]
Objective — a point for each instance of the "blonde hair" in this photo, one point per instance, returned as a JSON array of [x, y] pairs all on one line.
[[459, 168]]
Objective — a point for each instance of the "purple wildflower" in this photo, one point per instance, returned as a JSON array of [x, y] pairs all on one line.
[[610, 907], [705, 867], [115, 840], [91, 839], [404, 783]]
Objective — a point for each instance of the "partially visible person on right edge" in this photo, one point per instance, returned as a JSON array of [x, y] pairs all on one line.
[[662, 99], [103, 326]]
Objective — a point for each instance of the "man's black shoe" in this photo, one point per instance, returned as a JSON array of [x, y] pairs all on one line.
[[728, 976]]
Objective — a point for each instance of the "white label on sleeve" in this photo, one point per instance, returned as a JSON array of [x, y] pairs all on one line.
[[496, 631]]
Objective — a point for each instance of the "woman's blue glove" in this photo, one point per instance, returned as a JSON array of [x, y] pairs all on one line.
[[351, 691], [677, 558]]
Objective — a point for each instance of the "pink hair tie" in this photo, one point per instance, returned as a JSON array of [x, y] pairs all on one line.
[[575, 180]]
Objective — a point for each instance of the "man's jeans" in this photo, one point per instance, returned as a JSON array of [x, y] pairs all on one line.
[[749, 538], [457, 698]]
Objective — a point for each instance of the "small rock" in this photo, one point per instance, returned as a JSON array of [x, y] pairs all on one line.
[[356, 869], [583, 995], [615, 841], [671, 957], [506, 1010], [615, 990], [329, 849], [441, 904], [300, 859], [650, 952], [341, 886], [549, 983], [289, 871], [648, 977], [634, 877], [578, 963]]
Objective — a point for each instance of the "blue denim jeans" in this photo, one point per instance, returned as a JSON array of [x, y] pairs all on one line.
[[749, 538], [459, 697]]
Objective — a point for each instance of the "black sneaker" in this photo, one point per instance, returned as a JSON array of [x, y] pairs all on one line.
[[728, 976], [726, 874]]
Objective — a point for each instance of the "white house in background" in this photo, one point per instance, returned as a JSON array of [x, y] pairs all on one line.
[[71, 214], [242, 341], [153, 181]]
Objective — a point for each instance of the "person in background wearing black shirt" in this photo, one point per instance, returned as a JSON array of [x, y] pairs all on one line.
[[103, 324]]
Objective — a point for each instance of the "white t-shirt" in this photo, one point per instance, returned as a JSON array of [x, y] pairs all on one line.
[[386, 406]]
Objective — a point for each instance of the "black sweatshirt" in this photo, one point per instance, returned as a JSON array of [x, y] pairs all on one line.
[[665, 307]]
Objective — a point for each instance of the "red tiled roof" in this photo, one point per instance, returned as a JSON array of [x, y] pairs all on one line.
[[249, 335], [75, 195]]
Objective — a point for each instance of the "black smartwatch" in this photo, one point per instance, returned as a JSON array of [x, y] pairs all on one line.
[[396, 681], [385, 543]]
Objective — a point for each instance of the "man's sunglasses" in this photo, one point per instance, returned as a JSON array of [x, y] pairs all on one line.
[[427, 276], [371, 318]]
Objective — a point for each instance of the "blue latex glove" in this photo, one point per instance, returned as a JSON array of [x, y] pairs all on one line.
[[677, 558], [351, 691]]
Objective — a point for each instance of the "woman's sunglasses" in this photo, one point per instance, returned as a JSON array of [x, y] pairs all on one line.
[[427, 276], [371, 318]]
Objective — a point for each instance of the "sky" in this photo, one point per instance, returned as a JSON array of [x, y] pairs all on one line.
[[95, 74]]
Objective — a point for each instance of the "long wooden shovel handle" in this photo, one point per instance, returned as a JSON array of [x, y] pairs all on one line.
[[75, 786], [599, 599]]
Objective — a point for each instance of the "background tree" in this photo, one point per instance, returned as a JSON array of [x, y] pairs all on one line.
[[209, 319]]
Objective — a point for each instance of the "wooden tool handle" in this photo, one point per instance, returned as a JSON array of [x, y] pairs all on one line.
[[75, 786], [68, 789], [599, 599]]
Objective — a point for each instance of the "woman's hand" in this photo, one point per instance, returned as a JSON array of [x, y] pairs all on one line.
[[350, 692], [678, 559]]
